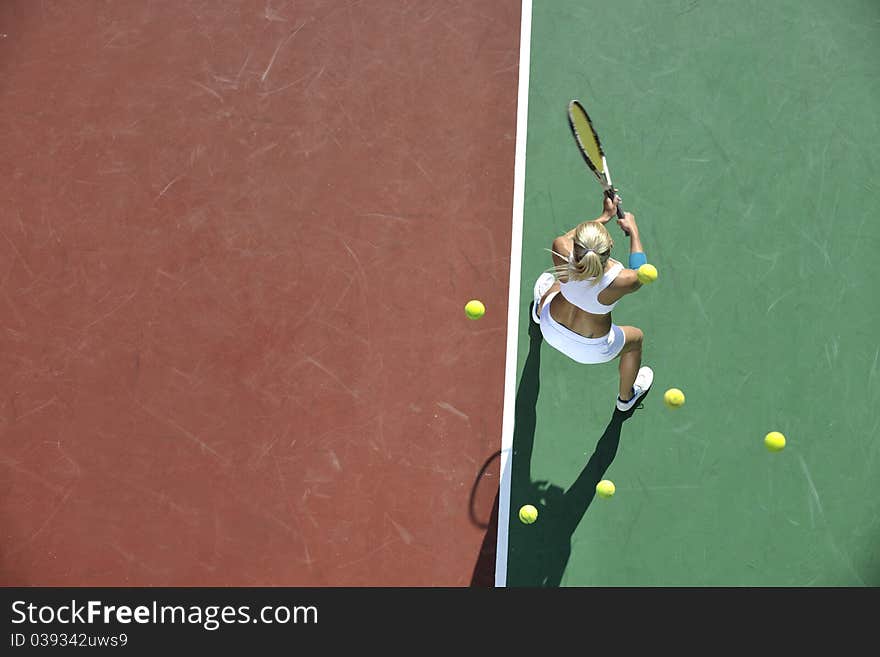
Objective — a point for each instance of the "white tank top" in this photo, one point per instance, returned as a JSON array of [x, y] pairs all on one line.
[[585, 295]]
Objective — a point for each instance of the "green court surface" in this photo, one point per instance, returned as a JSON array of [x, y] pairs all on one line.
[[744, 136]]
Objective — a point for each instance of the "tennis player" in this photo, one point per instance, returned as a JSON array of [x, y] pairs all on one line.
[[573, 304]]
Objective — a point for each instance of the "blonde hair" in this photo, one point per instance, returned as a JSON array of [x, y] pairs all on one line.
[[590, 253]]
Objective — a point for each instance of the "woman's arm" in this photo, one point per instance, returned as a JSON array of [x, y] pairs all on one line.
[[563, 245], [609, 209], [561, 249], [627, 281], [636, 250]]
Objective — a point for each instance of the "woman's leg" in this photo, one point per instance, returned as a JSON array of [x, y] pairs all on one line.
[[630, 360]]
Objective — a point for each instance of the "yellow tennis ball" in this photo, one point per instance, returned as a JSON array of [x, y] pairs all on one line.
[[474, 309], [673, 398], [647, 274], [774, 441], [528, 514], [605, 488]]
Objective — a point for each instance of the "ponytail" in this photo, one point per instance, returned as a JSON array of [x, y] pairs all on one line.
[[590, 253]]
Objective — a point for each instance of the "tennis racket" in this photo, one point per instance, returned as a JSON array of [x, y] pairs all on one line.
[[591, 148]]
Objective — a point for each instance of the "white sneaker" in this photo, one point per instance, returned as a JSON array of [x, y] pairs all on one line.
[[545, 282], [644, 381]]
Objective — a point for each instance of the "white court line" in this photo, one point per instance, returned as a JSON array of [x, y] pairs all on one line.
[[514, 311]]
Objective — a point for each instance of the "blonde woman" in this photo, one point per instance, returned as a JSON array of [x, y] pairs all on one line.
[[574, 307]]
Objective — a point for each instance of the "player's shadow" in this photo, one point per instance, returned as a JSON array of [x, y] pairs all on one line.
[[539, 553], [525, 422]]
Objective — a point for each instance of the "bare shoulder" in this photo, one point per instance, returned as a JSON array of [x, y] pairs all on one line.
[[625, 282], [562, 245], [561, 248]]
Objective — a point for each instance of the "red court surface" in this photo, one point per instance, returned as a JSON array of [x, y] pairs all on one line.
[[235, 245]]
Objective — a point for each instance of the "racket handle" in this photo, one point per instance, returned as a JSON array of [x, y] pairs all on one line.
[[610, 194]]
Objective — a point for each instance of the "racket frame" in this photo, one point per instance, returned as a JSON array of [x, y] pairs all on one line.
[[604, 176]]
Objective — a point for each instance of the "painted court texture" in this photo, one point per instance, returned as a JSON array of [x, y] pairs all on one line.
[[237, 239]]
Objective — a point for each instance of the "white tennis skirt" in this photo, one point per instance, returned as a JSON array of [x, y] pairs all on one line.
[[588, 351]]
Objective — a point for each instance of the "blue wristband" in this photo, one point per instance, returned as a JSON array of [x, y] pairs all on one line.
[[636, 260]]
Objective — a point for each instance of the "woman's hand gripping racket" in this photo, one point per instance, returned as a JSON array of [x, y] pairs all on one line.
[[591, 148]]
